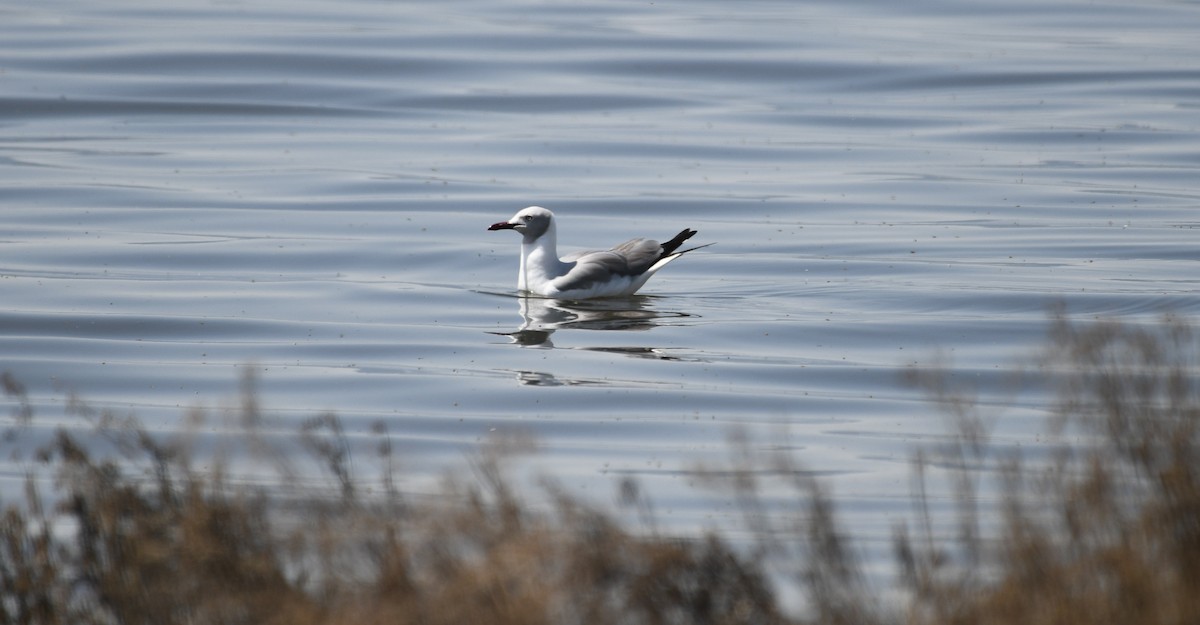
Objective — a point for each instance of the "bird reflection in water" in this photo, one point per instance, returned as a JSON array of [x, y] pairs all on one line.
[[541, 317]]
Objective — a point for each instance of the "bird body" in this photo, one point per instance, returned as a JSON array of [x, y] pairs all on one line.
[[619, 271]]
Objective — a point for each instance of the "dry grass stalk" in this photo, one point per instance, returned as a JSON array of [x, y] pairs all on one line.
[[1106, 531]]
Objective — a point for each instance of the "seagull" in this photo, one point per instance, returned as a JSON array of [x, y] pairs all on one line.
[[619, 271]]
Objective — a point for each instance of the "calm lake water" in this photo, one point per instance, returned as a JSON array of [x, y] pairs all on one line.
[[302, 188]]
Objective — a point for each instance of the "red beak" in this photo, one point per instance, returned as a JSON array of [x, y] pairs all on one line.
[[504, 225]]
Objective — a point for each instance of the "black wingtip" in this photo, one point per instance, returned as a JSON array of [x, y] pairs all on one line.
[[670, 246]]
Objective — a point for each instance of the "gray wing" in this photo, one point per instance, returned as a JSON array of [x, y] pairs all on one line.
[[630, 258], [639, 254]]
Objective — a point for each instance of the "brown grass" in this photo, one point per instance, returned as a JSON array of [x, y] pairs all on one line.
[[1107, 530], [145, 537]]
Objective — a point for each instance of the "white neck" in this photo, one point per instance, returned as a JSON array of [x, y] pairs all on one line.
[[539, 262]]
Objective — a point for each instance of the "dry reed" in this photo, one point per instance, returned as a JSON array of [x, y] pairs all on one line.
[[1105, 531]]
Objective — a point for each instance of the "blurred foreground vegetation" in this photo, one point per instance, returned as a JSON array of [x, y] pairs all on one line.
[[1103, 529]]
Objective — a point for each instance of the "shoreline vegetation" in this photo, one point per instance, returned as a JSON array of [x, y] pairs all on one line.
[[139, 527]]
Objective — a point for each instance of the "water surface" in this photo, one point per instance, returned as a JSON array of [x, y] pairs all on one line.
[[302, 189]]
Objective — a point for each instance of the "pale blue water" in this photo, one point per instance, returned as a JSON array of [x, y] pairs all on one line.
[[188, 189]]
